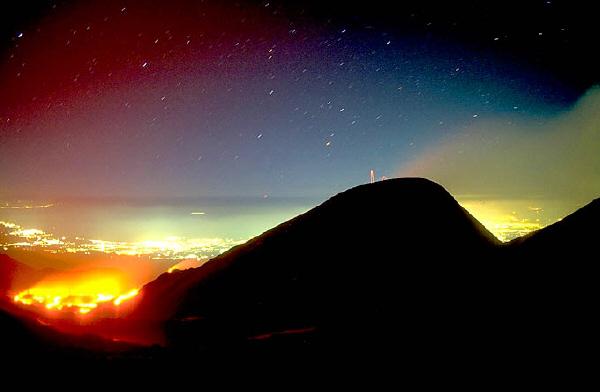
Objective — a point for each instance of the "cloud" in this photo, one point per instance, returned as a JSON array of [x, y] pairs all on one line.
[[553, 158]]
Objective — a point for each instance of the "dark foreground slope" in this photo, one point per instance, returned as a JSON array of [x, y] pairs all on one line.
[[394, 276], [395, 262], [14, 274], [561, 259], [28, 345], [395, 268], [555, 277], [570, 237]]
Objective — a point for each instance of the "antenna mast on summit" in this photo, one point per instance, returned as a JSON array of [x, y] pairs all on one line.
[[372, 176]]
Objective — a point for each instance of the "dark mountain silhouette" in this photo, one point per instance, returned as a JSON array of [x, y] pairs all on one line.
[[554, 283], [575, 232], [361, 233], [394, 275], [368, 266], [393, 267], [41, 354], [15, 275], [8, 268]]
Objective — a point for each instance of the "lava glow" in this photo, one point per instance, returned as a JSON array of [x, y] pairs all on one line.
[[79, 291], [191, 261]]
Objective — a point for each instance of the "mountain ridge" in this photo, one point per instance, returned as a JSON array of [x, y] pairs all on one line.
[[396, 267], [358, 197]]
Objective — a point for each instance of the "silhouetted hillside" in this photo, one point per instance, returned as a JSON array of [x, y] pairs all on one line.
[[393, 268], [27, 345], [554, 285], [394, 254], [575, 233], [393, 275], [14, 274]]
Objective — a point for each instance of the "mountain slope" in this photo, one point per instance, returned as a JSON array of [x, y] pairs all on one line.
[[394, 276], [554, 278], [14, 275], [575, 233], [350, 265]]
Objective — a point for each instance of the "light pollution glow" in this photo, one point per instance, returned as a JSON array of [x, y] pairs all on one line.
[[493, 215], [503, 221], [23, 206], [172, 248]]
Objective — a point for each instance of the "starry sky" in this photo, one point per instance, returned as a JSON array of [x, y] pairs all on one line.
[[251, 98]]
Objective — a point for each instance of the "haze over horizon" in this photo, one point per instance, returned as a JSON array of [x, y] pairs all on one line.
[[120, 100]]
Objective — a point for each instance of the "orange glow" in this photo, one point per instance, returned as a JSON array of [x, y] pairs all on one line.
[[190, 262], [79, 291], [124, 297]]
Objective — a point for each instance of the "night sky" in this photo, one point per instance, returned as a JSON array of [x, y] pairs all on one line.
[[214, 98]]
